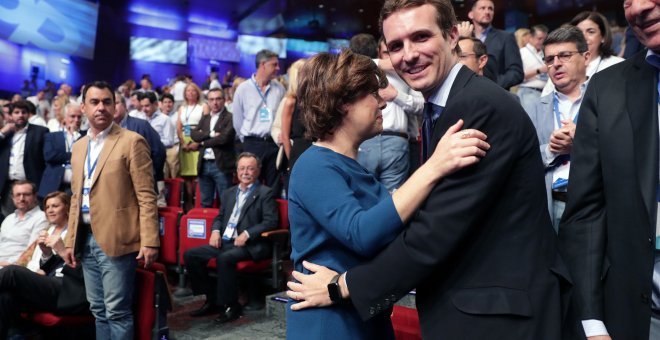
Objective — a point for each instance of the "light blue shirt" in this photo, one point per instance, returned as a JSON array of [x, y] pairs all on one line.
[[248, 102]]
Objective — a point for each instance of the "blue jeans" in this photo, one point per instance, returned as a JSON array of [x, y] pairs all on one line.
[[109, 284], [211, 180], [386, 157]]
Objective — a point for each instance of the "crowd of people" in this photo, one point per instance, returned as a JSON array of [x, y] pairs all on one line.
[[511, 179]]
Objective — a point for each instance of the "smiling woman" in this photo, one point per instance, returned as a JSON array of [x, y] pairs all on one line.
[[340, 214]]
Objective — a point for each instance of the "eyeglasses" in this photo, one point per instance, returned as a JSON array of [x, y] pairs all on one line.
[[466, 55], [564, 57]]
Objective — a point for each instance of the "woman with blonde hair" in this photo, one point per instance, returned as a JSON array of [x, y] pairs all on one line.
[[56, 123], [292, 134], [189, 115], [522, 37]]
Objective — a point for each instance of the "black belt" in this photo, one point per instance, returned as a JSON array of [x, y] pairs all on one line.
[[532, 88], [394, 133], [560, 196], [261, 139]]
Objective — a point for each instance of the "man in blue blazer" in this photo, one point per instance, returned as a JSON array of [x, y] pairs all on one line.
[[57, 153], [21, 153], [143, 128], [248, 209], [504, 62], [554, 116]]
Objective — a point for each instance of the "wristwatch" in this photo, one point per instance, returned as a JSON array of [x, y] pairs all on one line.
[[538, 71], [334, 291]]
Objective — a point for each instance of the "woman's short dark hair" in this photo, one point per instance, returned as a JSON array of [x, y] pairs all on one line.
[[605, 47], [327, 82]]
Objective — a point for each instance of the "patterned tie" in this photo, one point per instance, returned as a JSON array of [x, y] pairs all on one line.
[[431, 114]]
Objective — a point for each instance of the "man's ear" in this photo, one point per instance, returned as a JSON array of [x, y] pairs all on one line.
[[483, 60]]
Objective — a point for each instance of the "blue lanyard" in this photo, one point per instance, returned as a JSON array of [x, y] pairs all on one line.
[[13, 142], [555, 103], [90, 168], [262, 95], [188, 113], [239, 206]]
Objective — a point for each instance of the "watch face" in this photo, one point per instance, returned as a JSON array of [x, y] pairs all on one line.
[[333, 291]]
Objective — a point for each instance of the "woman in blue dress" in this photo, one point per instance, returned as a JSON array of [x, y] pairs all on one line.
[[340, 214]]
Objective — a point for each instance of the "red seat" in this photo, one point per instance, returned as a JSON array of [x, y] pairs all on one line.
[[405, 322], [53, 320], [195, 229], [168, 220], [174, 192], [148, 294]]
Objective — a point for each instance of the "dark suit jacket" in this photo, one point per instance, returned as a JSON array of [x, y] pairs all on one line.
[[33, 159], [222, 144], [607, 232], [481, 250], [258, 214], [56, 158], [504, 58], [72, 298], [143, 128]]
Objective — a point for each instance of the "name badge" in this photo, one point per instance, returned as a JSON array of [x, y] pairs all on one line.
[[186, 130], [560, 183], [85, 201], [264, 114], [229, 231]]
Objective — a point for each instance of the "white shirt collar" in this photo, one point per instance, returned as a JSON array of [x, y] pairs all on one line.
[[442, 94]]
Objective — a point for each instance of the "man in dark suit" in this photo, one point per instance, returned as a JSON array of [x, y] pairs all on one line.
[[57, 153], [504, 61], [143, 128], [609, 231], [21, 153], [481, 250], [248, 209], [215, 133]]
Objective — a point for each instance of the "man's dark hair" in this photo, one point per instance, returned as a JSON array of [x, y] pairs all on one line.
[[567, 34], [21, 104], [99, 84], [32, 109], [148, 95], [166, 96], [217, 89], [478, 47], [472, 3], [23, 182], [364, 44], [264, 55], [538, 28]]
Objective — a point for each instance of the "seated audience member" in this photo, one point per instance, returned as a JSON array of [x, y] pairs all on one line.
[[21, 153], [162, 125], [57, 153], [556, 114], [142, 127], [172, 153], [215, 135], [248, 209], [39, 287], [22, 227], [598, 35]]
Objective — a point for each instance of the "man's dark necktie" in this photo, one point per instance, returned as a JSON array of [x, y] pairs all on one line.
[[431, 114]]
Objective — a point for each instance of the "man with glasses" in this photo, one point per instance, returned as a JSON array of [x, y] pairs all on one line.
[[555, 115], [473, 54]]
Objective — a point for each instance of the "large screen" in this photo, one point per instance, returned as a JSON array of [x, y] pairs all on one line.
[[66, 26], [159, 50]]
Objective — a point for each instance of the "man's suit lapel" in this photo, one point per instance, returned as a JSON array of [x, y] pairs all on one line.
[[641, 103], [546, 118], [108, 145], [461, 80]]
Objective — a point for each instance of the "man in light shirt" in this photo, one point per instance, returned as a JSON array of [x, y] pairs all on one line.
[[536, 72], [555, 115], [22, 227]]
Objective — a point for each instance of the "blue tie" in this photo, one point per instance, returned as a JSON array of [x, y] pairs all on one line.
[[431, 114]]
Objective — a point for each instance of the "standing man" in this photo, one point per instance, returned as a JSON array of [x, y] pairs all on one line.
[[57, 153], [473, 54], [481, 250], [504, 62], [254, 106], [163, 127], [172, 153], [536, 72], [386, 155], [555, 115], [215, 134], [113, 220], [21, 153], [609, 233]]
